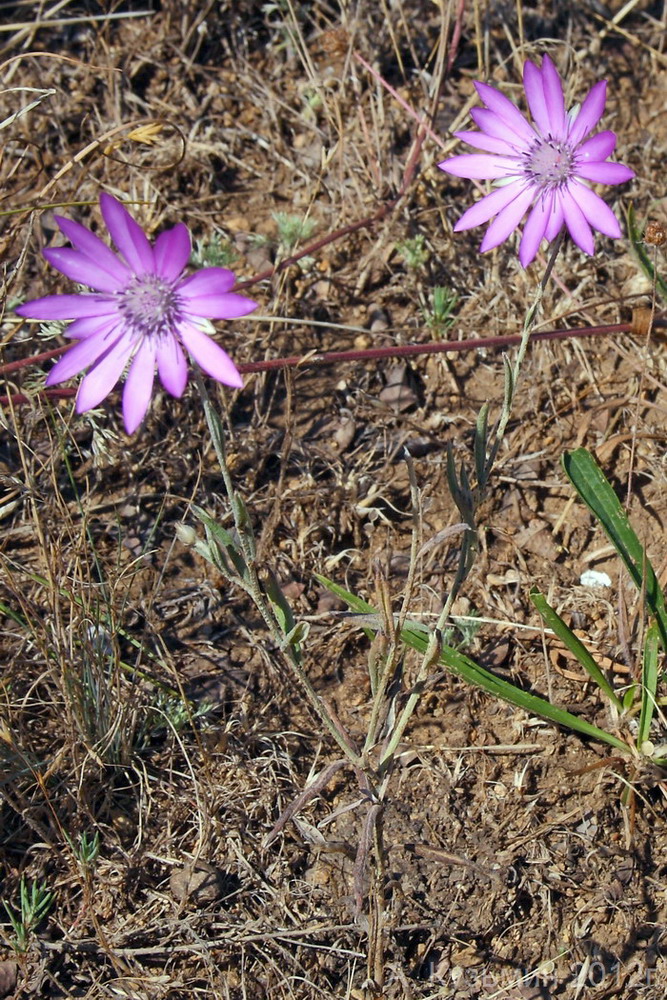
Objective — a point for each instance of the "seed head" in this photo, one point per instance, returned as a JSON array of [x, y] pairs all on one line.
[[655, 234]]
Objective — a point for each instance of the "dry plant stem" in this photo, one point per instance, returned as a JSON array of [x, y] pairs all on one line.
[[423, 125], [252, 585], [434, 647], [384, 210], [431, 656], [372, 353], [372, 831], [388, 659]]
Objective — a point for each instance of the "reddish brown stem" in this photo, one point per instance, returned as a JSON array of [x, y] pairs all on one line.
[[439, 347], [370, 354], [15, 366], [456, 36]]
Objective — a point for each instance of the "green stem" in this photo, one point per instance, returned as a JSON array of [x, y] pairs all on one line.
[[466, 555], [252, 585], [514, 372]]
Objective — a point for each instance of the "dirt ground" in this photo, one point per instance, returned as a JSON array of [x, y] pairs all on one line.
[[142, 700]]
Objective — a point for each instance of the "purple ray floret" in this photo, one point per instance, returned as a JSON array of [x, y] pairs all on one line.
[[544, 168], [142, 312]]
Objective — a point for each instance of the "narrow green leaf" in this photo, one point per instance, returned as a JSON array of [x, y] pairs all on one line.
[[553, 621], [453, 482], [649, 683], [14, 615], [223, 540], [508, 391], [629, 697], [462, 666], [245, 524], [281, 608], [296, 636], [595, 490], [479, 448], [221, 535], [464, 479]]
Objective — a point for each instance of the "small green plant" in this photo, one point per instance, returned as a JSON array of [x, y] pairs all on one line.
[[51, 330], [35, 904], [467, 628], [216, 252], [293, 229], [170, 713], [414, 252], [312, 99], [596, 491], [438, 314], [88, 849]]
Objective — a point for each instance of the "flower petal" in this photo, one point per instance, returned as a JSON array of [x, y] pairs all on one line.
[[102, 377], [553, 98], [504, 109], [494, 126], [534, 88], [549, 165], [80, 329], [210, 356], [83, 354], [507, 220], [139, 385], [576, 223], [605, 173], [207, 294], [228, 306], [599, 147], [590, 112], [535, 228], [208, 281], [60, 307], [93, 247], [596, 211], [172, 252], [480, 166], [79, 267], [128, 235], [486, 142], [172, 366], [488, 206], [556, 220]]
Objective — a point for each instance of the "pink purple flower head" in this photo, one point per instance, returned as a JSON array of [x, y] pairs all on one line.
[[142, 312], [544, 169]]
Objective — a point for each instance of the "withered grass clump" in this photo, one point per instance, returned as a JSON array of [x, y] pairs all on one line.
[[149, 738]]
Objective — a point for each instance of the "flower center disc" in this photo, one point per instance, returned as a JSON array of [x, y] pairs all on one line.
[[550, 163], [149, 304]]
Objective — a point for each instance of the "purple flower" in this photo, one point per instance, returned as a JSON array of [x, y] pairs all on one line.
[[142, 312], [544, 167]]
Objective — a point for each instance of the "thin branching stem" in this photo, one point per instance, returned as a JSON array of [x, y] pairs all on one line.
[[514, 371]]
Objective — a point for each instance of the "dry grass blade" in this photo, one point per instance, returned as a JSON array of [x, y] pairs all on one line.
[[312, 789]]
